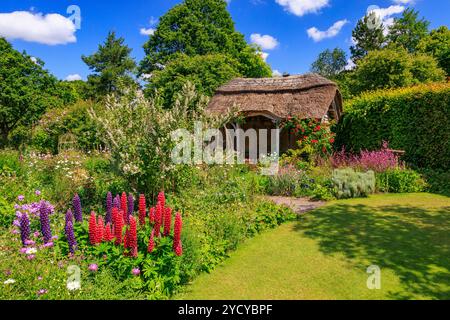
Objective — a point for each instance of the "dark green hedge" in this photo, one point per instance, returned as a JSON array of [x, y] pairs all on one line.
[[415, 119]]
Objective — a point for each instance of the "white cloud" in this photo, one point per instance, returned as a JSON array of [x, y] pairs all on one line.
[[302, 7], [51, 29], [350, 65], [403, 1], [264, 55], [147, 32], [333, 31], [73, 77], [385, 15], [276, 73], [266, 42]]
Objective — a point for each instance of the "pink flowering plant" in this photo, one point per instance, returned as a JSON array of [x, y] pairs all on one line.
[[377, 160]]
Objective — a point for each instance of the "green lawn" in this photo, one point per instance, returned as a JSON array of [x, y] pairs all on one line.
[[326, 253]]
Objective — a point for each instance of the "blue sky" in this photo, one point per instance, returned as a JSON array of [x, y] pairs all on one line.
[[281, 26]]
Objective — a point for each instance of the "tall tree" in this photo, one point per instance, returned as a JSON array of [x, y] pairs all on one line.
[[408, 30], [26, 90], [111, 64], [330, 63], [437, 44], [367, 35], [394, 67], [200, 27], [206, 72]]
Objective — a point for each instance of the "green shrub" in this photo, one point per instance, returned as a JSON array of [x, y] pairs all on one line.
[[73, 120], [416, 120], [10, 163], [438, 181], [400, 181], [351, 184]]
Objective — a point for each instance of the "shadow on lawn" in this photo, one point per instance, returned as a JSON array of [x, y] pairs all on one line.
[[413, 242]]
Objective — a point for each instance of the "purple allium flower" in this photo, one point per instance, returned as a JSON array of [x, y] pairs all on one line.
[[36, 234], [70, 236], [45, 222], [109, 205], [130, 204], [37, 192], [55, 237], [136, 271], [15, 231], [23, 250], [39, 278], [17, 206], [93, 267], [16, 222], [21, 198], [78, 214], [24, 229], [31, 257], [42, 292]]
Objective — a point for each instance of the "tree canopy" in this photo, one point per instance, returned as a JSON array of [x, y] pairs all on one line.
[[111, 64], [200, 27], [437, 44], [367, 35], [26, 90], [330, 63], [206, 72], [395, 67], [408, 30]]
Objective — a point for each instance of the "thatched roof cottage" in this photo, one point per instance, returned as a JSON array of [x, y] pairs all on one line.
[[265, 102]]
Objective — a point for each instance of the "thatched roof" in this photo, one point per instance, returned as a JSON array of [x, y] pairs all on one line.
[[306, 96]]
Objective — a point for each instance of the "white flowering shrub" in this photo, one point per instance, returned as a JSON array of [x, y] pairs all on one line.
[[138, 133]]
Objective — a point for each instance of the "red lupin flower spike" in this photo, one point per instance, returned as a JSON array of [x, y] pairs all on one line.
[[142, 210], [118, 226], [177, 230], [179, 249], [92, 229], [108, 235], [124, 203], [162, 198], [100, 229], [151, 215], [132, 237], [158, 219], [167, 221], [151, 242]]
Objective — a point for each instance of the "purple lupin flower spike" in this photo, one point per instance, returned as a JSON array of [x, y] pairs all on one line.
[[78, 214], [69, 216], [116, 203], [70, 236], [24, 228], [130, 204], [109, 206], [45, 222]]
